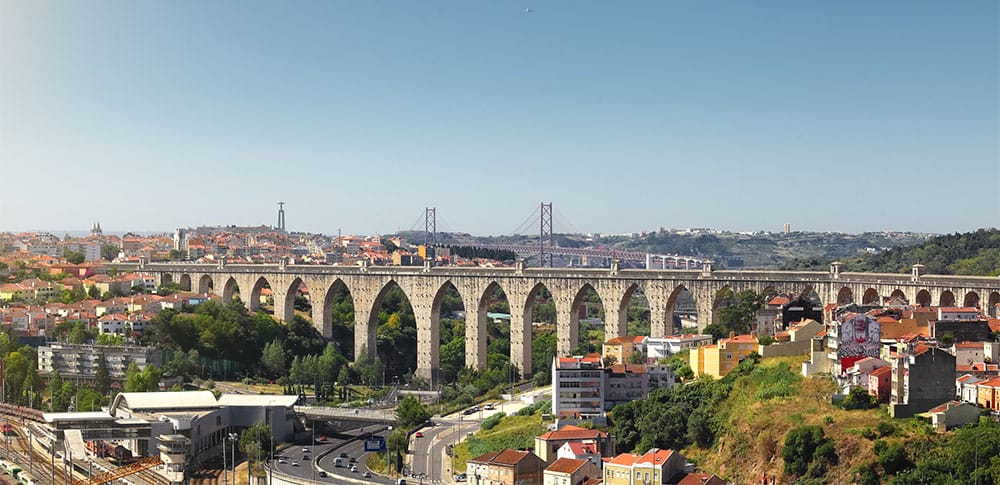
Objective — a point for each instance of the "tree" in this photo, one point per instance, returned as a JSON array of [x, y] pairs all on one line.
[[93, 293], [410, 412], [636, 358], [806, 449], [255, 441], [858, 398], [273, 358], [102, 377], [146, 380], [109, 251], [74, 257]]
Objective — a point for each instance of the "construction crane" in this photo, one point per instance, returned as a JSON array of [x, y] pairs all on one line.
[[122, 471]]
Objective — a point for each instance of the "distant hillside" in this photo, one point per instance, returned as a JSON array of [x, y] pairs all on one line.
[[974, 253], [728, 249]]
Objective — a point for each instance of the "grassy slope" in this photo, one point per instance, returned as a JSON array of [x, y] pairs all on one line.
[[755, 426], [512, 432]]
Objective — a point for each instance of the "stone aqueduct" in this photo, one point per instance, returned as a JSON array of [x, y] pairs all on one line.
[[425, 287]]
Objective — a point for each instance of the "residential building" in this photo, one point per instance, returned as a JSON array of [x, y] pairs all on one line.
[[962, 314], [880, 383], [656, 466], [971, 330], [580, 450], [801, 309], [797, 340], [952, 414], [577, 388], [921, 379], [81, 361], [660, 347], [625, 383], [569, 471], [619, 350], [547, 444], [966, 389], [989, 394], [717, 360], [857, 374], [507, 467], [968, 352]]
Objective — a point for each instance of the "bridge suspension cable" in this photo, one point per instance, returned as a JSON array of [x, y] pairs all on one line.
[[526, 224]]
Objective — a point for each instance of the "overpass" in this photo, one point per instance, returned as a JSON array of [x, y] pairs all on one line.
[[425, 287], [347, 415]]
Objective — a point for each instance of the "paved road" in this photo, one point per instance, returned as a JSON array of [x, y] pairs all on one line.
[[430, 452], [356, 450], [304, 454]]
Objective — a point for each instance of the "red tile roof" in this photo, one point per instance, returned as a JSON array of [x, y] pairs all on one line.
[[701, 479], [880, 371], [566, 465], [571, 432]]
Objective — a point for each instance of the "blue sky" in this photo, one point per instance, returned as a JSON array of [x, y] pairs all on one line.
[[841, 116]]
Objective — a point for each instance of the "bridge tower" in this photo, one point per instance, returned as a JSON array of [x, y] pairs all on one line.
[[430, 226], [544, 233]]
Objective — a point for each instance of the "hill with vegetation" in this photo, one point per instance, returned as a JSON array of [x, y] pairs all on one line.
[[972, 253], [765, 419], [728, 249]]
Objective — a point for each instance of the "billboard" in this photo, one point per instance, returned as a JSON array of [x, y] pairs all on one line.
[[860, 337], [375, 444]]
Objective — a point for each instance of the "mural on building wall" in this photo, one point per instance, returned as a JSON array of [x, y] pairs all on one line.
[[860, 337]]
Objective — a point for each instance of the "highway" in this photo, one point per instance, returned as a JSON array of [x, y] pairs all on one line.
[[430, 452]]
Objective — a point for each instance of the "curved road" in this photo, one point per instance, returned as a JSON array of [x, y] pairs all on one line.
[[430, 452]]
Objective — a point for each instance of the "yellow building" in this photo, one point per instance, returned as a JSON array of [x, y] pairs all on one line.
[[622, 348], [656, 466], [717, 360]]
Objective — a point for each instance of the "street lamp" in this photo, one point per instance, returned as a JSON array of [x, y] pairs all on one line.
[[388, 450], [233, 437]]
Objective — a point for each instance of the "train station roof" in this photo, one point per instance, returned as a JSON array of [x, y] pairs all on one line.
[[77, 417], [262, 400], [164, 401]]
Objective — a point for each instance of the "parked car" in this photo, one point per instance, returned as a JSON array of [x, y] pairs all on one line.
[[418, 434]]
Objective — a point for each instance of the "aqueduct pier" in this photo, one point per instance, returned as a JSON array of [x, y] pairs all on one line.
[[425, 287]]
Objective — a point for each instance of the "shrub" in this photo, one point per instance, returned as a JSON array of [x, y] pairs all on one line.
[[885, 428], [858, 398], [827, 419], [491, 422], [807, 449]]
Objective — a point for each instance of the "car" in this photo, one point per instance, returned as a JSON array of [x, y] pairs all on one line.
[[490, 407], [460, 477], [367, 474], [343, 455], [352, 460], [354, 468], [322, 473], [418, 434], [321, 438], [305, 450], [282, 460], [295, 463]]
